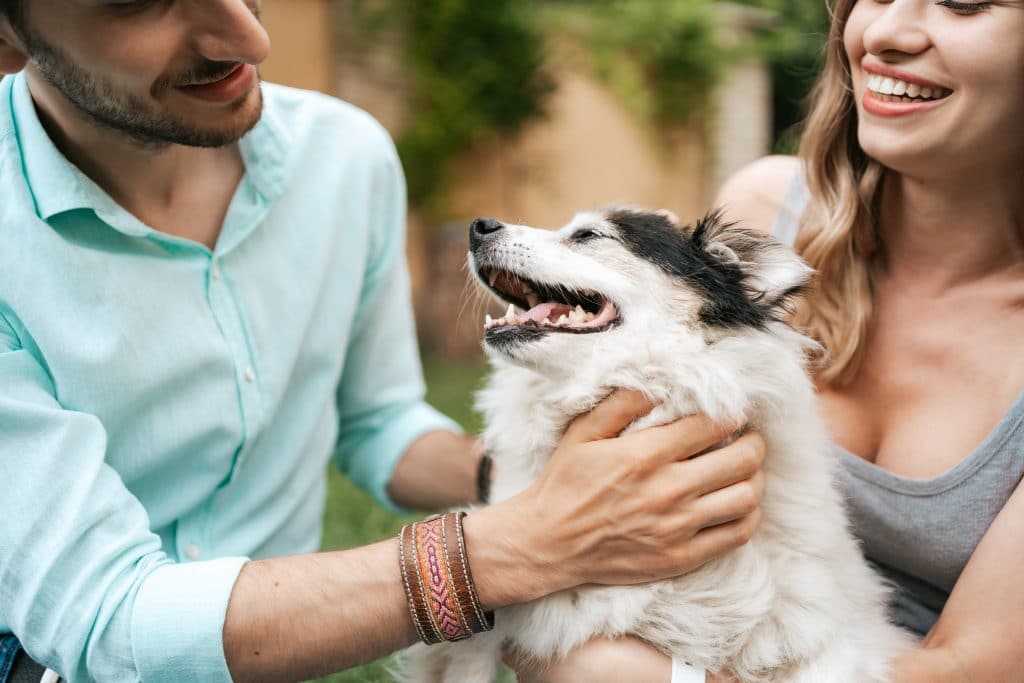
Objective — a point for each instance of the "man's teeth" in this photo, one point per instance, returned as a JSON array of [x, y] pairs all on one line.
[[884, 85]]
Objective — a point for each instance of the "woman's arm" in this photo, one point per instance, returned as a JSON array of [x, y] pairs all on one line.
[[980, 633], [604, 660]]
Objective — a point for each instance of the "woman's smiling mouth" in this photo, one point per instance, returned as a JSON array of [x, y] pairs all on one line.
[[892, 92]]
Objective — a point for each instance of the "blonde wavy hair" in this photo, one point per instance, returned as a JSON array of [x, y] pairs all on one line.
[[838, 235]]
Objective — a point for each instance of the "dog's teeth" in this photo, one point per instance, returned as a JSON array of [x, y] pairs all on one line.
[[579, 311], [493, 278], [532, 299], [488, 321], [575, 317], [510, 315], [563, 320]]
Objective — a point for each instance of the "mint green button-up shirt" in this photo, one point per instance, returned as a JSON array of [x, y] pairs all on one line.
[[167, 412]]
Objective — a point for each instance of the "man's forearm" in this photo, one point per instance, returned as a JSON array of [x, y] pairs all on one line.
[[295, 618], [437, 472]]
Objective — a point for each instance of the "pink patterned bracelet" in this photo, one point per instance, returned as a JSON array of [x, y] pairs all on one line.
[[438, 585]]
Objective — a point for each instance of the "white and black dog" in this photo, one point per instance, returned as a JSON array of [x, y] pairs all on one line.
[[693, 318]]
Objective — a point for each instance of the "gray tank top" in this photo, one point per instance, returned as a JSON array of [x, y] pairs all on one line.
[[920, 533]]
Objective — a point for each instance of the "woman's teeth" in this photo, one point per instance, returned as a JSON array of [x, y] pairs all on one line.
[[896, 90]]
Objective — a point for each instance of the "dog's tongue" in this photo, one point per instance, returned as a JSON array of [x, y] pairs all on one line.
[[546, 311]]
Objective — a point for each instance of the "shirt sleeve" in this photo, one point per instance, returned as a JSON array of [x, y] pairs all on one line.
[[84, 583], [380, 397]]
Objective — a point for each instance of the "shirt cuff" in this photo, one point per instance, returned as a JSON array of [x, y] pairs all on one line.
[[372, 468], [177, 631]]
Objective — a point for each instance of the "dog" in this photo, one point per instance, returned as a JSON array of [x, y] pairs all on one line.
[[694, 318]]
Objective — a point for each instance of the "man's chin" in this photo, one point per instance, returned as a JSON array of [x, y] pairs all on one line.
[[223, 128]]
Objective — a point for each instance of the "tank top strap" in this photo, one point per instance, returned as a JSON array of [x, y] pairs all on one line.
[[787, 222]]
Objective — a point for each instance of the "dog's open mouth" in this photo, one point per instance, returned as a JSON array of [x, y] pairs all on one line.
[[547, 307]]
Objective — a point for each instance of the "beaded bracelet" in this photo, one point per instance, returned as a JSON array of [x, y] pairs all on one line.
[[438, 585]]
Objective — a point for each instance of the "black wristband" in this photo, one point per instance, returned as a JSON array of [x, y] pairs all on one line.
[[483, 479]]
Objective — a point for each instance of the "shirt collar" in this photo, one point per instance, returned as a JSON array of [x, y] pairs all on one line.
[[58, 186]]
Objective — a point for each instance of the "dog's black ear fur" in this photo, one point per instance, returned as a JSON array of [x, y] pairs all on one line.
[[772, 274]]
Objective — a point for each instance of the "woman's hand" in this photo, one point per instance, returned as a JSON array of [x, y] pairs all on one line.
[[604, 660], [611, 509]]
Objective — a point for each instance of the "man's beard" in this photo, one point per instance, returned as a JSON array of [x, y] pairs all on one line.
[[107, 107]]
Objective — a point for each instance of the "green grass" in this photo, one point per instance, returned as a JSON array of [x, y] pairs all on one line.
[[353, 518]]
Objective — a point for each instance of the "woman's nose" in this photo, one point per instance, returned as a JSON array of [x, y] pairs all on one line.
[[899, 28]]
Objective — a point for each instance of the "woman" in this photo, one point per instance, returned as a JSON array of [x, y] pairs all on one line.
[[908, 199]]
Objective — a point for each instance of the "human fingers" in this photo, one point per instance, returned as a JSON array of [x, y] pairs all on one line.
[[724, 466], [678, 440], [717, 540], [729, 503], [609, 417]]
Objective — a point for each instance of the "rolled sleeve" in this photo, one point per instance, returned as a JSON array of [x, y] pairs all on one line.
[[382, 440], [178, 622], [84, 582], [380, 398]]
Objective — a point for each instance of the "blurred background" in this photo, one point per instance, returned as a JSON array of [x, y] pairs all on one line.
[[528, 111]]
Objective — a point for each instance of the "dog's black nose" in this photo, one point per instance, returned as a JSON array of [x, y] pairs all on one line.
[[482, 227]]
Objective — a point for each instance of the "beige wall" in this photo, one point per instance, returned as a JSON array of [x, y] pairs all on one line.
[[301, 43], [589, 151]]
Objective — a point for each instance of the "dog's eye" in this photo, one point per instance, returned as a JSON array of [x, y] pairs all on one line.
[[584, 235]]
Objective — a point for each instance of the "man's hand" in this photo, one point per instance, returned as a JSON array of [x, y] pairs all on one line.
[[612, 509]]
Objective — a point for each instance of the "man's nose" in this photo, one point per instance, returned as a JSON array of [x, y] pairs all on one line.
[[481, 229], [230, 31]]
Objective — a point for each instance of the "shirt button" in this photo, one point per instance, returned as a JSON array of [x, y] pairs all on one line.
[[192, 551], [215, 272], [250, 374]]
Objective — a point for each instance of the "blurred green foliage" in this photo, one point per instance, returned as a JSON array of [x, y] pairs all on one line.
[[794, 51], [477, 69], [661, 59]]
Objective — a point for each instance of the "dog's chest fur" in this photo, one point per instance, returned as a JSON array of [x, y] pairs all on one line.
[[788, 595]]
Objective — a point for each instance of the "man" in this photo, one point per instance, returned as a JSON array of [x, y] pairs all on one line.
[[203, 298]]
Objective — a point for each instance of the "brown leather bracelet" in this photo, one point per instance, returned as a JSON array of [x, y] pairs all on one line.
[[465, 588], [439, 588]]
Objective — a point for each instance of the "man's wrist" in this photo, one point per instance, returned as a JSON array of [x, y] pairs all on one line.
[[504, 551]]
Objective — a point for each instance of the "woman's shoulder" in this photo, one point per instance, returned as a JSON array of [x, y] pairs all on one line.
[[754, 195]]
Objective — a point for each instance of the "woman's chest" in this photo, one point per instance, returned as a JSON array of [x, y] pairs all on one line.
[[934, 383]]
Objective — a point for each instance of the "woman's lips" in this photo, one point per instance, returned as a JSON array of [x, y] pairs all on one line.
[[227, 89], [879, 107]]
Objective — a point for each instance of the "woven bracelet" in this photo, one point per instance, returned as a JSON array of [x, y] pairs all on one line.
[[438, 586]]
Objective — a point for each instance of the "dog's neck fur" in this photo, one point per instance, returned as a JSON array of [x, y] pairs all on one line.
[[528, 409]]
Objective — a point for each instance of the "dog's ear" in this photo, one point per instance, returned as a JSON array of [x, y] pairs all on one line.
[[773, 274]]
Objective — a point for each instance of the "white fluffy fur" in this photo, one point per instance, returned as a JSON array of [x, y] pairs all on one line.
[[797, 603]]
